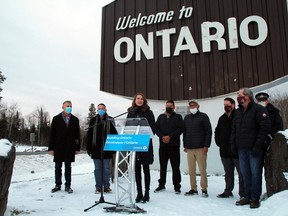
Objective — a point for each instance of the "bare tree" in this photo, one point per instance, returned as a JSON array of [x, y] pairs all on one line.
[[280, 101], [42, 118]]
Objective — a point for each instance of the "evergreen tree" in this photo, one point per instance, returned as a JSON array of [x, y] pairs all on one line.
[[92, 113], [43, 129], [14, 130], [3, 125], [2, 79]]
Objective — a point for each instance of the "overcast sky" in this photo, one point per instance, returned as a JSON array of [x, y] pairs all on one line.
[[50, 52]]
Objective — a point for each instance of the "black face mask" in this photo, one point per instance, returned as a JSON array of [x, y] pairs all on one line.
[[241, 100], [227, 109], [169, 110]]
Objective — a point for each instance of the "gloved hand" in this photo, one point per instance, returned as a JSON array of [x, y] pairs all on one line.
[[234, 149], [89, 153], [256, 152]]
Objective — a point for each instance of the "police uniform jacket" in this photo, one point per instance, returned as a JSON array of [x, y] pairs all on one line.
[[275, 118]]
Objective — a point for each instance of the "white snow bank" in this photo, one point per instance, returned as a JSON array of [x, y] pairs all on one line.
[[285, 133], [5, 147]]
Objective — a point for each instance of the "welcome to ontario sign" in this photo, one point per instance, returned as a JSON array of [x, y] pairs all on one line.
[[172, 49]]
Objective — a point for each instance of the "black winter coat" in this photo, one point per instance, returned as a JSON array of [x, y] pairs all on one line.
[[222, 135], [145, 157], [251, 127], [96, 127], [169, 126], [64, 141], [197, 131], [275, 118]]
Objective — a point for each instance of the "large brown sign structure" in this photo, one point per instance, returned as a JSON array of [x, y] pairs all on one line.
[[184, 49]]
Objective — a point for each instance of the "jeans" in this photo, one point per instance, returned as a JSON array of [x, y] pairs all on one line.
[[58, 174], [172, 153], [98, 173], [251, 169]]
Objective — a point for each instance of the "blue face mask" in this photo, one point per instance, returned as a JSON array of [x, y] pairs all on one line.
[[101, 112], [68, 110]]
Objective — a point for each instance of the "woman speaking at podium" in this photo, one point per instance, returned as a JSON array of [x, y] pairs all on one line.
[[140, 109]]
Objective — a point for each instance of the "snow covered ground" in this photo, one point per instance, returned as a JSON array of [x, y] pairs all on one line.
[[33, 179]]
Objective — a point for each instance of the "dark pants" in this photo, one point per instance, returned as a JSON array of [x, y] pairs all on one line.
[[58, 174], [251, 169], [147, 177], [229, 165], [172, 153]]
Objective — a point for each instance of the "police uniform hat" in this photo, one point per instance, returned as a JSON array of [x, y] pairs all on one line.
[[261, 96]]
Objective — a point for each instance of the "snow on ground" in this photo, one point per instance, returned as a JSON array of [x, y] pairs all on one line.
[[33, 179]]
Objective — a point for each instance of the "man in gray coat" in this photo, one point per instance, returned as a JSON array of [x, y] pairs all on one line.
[[64, 144]]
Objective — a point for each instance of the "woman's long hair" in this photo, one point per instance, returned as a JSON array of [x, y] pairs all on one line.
[[134, 106]]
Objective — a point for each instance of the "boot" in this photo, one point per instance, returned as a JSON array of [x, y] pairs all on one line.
[[139, 197], [146, 197]]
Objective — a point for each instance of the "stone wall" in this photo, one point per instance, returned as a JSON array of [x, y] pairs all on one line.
[[6, 170], [276, 163]]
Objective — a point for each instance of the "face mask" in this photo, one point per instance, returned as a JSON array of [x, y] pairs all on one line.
[[227, 109], [262, 103], [169, 110], [194, 110], [241, 99], [68, 110], [101, 112]]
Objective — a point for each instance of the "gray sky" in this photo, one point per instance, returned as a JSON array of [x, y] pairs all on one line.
[[50, 52]]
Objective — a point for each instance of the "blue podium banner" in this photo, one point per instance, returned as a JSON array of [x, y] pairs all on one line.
[[127, 142]]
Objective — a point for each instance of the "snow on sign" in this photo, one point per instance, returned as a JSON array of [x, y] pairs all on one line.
[[127, 142], [5, 147]]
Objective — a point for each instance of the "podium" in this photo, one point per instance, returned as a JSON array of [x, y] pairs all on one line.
[[133, 136]]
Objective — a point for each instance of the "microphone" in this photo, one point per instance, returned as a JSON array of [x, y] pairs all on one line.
[[120, 115], [111, 118]]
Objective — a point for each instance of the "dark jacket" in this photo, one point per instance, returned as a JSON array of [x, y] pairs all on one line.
[[275, 118], [251, 127], [64, 141], [222, 135], [145, 157], [96, 136], [197, 131], [169, 126]]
